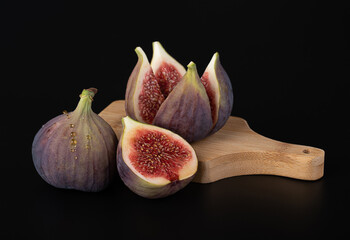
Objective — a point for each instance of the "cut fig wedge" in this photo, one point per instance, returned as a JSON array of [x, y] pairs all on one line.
[[154, 162], [163, 94], [219, 89], [166, 69], [143, 95], [186, 111]]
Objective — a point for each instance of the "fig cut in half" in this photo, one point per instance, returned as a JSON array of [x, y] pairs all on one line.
[[154, 162]]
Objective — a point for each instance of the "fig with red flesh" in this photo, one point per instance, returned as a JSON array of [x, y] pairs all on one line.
[[186, 110], [167, 70], [149, 97], [76, 150], [154, 162], [143, 96], [219, 89]]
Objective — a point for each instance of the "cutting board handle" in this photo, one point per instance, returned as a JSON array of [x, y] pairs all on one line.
[[252, 153]]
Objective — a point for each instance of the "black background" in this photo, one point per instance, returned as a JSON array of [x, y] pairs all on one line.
[[289, 66]]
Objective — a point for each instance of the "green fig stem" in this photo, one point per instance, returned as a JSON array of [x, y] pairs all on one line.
[[191, 65], [86, 97], [192, 70]]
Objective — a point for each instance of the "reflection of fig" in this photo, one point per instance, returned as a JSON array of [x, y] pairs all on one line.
[[186, 110], [76, 150], [219, 90], [154, 162], [155, 94]]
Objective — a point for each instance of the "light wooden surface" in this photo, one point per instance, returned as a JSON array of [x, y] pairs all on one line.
[[237, 150]]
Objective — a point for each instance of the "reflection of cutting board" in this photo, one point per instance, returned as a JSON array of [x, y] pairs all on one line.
[[237, 150]]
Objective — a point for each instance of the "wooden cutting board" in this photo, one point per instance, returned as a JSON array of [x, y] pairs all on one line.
[[237, 150]]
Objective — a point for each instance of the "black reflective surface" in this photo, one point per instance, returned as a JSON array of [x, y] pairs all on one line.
[[288, 63]]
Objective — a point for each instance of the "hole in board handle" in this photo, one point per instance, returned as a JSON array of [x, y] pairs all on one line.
[[306, 151]]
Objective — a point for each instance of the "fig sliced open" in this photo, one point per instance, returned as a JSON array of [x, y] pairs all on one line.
[[186, 111], [143, 95], [219, 89], [166, 69], [154, 162], [164, 94]]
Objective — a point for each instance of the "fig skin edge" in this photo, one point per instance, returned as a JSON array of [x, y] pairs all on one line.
[[134, 106], [131, 86], [142, 187], [186, 111], [225, 92], [161, 55], [85, 169]]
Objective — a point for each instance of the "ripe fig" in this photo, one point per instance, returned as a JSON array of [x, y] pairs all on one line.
[[167, 70], [76, 150], [219, 89], [143, 95], [186, 111], [156, 95], [154, 162]]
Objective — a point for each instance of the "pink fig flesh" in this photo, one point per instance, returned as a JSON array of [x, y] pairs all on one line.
[[155, 155], [211, 96], [167, 77], [154, 162], [143, 95], [167, 70], [156, 95]]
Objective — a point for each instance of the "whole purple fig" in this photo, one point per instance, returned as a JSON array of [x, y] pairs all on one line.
[[76, 150]]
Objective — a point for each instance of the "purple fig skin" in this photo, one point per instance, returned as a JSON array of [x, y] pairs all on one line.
[[143, 188], [135, 180], [186, 111], [226, 95], [130, 88], [76, 150]]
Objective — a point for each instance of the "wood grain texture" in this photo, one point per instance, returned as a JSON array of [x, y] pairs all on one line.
[[237, 150]]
